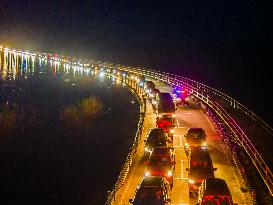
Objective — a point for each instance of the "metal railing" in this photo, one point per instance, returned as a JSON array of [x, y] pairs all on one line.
[[129, 160], [206, 94]]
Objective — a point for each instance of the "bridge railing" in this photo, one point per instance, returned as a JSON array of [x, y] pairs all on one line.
[[208, 96], [130, 157]]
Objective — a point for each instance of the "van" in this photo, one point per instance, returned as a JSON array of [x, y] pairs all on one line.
[[165, 104], [200, 168]]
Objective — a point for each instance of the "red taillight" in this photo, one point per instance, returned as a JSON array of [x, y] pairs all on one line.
[[208, 197]]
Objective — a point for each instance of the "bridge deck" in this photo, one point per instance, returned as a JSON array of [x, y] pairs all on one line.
[[220, 157]]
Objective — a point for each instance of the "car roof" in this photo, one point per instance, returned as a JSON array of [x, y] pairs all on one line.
[[216, 186], [200, 154], [152, 181], [156, 130]]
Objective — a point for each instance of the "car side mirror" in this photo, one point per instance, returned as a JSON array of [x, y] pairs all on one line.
[[214, 169], [187, 169], [131, 201]]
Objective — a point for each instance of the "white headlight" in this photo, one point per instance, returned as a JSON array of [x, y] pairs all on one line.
[[147, 174], [169, 174], [191, 181]]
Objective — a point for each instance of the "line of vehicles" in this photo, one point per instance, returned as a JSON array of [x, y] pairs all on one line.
[[159, 158]]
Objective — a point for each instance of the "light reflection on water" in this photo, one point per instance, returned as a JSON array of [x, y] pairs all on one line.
[[18, 64]]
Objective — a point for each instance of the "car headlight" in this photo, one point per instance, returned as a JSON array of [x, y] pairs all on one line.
[[191, 181], [147, 174], [172, 131], [169, 174]]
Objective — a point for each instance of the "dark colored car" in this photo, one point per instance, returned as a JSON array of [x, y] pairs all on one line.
[[167, 124], [156, 138], [200, 168], [152, 190], [195, 138], [214, 191], [161, 163], [165, 104], [148, 86]]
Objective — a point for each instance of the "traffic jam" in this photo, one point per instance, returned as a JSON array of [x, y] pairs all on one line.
[[159, 155]]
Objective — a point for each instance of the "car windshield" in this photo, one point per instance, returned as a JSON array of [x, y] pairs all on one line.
[[196, 134], [149, 195], [216, 200], [159, 160]]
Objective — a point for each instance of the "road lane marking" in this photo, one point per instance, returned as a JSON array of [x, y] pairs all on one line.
[[181, 171], [180, 141], [177, 123]]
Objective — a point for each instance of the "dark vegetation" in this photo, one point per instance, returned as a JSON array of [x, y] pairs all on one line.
[[63, 142]]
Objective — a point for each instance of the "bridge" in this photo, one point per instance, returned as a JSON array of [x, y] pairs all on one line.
[[233, 130]]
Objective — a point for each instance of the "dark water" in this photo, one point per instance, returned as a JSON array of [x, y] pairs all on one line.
[[43, 160]]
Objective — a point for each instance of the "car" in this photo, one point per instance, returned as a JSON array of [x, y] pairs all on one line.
[[161, 163], [165, 152], [152, 190], [152, 96], [167, 124], [140, 80], [194, 138], [148, 86], [155, 138], [200, 168], [214, 191]]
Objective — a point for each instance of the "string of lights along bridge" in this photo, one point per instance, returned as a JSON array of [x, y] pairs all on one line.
[[189, 150]]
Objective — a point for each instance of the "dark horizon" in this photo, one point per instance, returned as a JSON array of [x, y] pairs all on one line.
[[227, 45]]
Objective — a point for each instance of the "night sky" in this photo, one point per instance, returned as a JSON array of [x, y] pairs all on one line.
[[226, 44]]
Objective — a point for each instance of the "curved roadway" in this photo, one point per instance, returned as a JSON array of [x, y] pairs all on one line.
[[185, 118]]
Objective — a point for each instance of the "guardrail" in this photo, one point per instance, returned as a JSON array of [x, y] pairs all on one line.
[[206, 94], [129, 160], [173, 79]]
